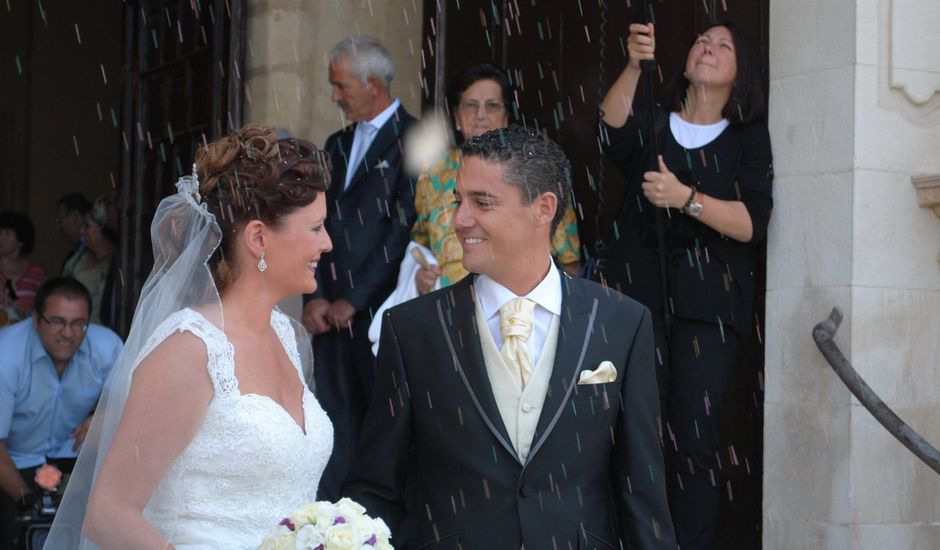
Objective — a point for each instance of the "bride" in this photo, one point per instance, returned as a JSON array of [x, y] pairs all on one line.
[[206, 434]]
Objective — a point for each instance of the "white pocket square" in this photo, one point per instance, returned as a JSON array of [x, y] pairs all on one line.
[[603, 374], [382, 165]]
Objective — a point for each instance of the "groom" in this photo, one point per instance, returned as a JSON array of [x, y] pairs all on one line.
[[525, 422]]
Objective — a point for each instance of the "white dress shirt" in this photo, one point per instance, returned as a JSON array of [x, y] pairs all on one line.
[[547, 298], [363, 138]]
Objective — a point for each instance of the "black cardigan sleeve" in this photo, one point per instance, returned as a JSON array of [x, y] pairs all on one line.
[[755, 177]]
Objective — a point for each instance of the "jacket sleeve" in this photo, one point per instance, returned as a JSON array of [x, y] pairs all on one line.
[[629, 145], [755, 178], [637, 467], [336, 156], [380, 270], [377, 478]]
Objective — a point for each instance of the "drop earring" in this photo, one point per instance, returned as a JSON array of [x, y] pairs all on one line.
[[262, 265]]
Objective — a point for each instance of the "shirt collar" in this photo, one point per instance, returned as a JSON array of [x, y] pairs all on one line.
[[493, 295], [380, 119], [36, 349]]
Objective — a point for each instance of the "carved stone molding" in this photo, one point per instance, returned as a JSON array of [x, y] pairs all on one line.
[[914, 61], [928, 191]]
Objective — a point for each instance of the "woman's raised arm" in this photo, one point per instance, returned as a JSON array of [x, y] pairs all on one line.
[[641, 44]]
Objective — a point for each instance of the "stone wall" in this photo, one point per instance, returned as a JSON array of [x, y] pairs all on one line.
[[286, 61], [855, 91]]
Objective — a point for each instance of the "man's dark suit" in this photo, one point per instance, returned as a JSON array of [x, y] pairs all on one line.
[[594, 473], [370, 225]]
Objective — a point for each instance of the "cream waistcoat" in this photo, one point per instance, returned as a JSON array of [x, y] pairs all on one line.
[[520, 409]]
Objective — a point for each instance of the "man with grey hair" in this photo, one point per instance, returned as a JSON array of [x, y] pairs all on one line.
[[520, 402], [371, 210]]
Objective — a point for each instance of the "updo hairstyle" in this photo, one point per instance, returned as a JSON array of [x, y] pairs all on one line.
[[250, 174]]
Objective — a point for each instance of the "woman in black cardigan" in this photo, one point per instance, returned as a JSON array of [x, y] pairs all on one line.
[[713, 186]]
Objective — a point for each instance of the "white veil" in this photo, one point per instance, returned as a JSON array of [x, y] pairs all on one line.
[[185, 235]]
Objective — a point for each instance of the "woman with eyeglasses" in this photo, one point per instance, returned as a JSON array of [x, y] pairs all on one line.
[[479, 98], [95, 266], [19, 278]]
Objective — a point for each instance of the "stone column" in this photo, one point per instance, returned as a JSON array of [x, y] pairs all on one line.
[[286, 61], [854, 112]]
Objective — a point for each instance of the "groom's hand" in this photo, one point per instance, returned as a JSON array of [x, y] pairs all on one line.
[[340, 314], [314, 316]]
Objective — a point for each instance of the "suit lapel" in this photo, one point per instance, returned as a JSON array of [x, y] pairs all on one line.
[[340, 162], [386, 137], [456, 312], [574, 333]]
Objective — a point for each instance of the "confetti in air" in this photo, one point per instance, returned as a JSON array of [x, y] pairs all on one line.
[[427, 143]]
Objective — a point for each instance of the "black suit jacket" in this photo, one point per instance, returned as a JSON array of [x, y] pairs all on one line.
[[370, 222], [594, 475]]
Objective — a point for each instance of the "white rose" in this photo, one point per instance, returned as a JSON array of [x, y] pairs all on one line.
[[308, 538], [381, 530], [349, 508], [306, 515], [374, 526], [325, 513], [279, 538], [343, 536]]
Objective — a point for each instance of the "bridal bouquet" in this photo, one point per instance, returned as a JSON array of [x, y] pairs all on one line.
[[343, 525]]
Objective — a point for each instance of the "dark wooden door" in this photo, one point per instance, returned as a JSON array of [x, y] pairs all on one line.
[[555, 51], [561, 55], [183, 63]]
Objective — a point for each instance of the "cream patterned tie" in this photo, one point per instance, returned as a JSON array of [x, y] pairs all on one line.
[[515, 324]]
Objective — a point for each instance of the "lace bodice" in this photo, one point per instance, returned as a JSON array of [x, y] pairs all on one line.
[[249, 465]]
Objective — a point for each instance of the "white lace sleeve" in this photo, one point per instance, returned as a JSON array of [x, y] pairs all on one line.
[[220, 353]]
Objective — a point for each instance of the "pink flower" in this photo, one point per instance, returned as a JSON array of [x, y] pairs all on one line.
[[48, 477]]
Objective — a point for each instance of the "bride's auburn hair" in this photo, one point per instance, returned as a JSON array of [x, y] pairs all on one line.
[[251, 174]]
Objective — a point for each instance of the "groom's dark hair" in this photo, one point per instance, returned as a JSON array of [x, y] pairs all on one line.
[[530, 161]]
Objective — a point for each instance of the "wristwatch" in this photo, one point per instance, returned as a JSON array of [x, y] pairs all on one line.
[[692, 207]]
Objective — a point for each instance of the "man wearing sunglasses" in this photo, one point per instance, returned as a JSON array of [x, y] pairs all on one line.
[[52, 370]]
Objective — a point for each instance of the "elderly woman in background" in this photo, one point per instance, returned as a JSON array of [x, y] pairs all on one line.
[[93, 266], [19, 278], [479, 99]]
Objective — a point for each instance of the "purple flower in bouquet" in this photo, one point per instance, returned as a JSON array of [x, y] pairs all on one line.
[[343, 525]]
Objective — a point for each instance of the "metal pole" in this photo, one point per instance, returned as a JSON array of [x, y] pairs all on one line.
[[649, 68], [823, 334]]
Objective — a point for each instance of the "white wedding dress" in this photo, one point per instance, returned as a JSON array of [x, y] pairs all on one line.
[[250, 465]]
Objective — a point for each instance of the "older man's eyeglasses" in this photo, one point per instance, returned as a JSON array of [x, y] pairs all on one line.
[[59, 324], [490, 107]]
